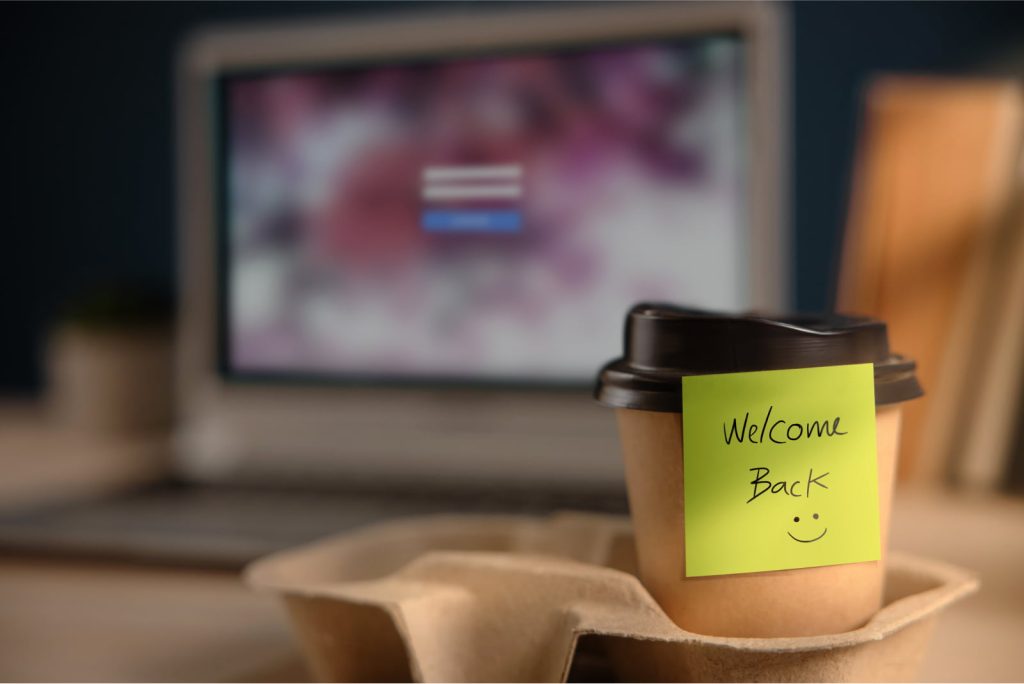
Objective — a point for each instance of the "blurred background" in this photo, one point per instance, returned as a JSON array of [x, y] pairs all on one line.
[[264, 284], [106, 136]]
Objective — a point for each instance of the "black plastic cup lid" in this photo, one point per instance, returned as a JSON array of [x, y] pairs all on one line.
[[664, 342]]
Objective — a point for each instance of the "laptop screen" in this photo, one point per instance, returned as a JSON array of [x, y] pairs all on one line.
[[486, 218]]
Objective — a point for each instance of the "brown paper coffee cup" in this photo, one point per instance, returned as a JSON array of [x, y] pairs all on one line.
[[803, 602], [664, 343]]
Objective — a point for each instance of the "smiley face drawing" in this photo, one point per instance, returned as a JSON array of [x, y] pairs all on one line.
[[806, 541]]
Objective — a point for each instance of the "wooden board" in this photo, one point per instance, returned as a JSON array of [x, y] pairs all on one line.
[[934, 177]]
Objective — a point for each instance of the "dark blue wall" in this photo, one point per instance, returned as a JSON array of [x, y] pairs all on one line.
[[837, 48], [86, 119]]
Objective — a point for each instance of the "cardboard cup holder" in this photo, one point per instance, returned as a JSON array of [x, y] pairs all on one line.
[[519, 598]]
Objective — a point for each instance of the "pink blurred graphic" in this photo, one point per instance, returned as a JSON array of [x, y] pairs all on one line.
[[483, 217]]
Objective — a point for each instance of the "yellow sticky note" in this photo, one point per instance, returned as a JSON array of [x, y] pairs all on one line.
[[780, 469]]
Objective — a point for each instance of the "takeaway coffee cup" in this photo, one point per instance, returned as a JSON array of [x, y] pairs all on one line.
[[664, 343]]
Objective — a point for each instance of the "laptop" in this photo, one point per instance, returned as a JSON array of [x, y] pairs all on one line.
[[408, 243]]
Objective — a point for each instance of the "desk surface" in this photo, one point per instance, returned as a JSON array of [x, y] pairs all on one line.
[[88, 621], [981, 638], [94, 622]]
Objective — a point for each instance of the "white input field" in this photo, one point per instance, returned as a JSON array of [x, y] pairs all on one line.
[[491, 172], [455, 192]]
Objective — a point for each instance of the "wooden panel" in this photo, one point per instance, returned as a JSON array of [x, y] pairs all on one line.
[[934, 177]]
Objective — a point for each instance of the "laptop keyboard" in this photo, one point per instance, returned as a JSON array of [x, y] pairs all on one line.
[[222, 526]]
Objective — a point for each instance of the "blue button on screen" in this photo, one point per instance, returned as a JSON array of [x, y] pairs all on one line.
[[471, 221]]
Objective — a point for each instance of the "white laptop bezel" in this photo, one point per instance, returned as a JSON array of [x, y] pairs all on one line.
[[213, 446]]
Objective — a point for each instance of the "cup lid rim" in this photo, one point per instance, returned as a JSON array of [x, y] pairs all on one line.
[[664, 342]]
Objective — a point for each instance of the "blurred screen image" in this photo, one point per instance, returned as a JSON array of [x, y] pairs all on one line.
[[477, 218]]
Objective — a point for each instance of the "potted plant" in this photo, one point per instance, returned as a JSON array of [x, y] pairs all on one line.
[[110, 362]]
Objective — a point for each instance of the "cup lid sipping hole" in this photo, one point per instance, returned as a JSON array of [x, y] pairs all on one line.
[[663, 342]]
